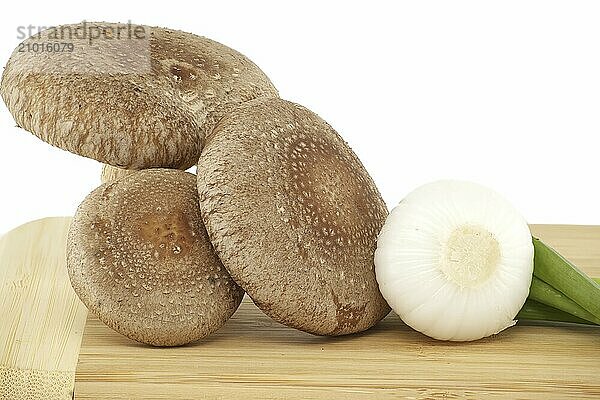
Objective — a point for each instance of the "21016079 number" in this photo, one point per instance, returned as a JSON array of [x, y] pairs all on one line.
[[46, 47]]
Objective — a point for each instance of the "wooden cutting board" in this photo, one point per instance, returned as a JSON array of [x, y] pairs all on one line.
[[41, 318], [252, 357]]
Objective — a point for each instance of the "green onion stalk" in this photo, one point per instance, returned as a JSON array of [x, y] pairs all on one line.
[[559, 291]]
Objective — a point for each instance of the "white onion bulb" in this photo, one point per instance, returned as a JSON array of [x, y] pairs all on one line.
[[454, 260]]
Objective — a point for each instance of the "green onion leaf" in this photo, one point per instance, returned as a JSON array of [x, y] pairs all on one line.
[[535, 311], [558, 273], [543, 293]]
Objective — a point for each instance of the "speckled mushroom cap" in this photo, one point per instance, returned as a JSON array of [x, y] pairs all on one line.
[[140, 259], [134, 97], [294, 217]]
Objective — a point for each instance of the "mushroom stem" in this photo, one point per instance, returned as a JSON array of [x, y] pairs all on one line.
[[111, 174]]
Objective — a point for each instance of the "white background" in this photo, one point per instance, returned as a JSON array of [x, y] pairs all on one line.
[[505, 93]]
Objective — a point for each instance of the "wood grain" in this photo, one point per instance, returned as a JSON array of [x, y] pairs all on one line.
[[252, 357], [41, 318]]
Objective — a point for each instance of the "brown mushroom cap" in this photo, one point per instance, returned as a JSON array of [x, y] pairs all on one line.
[[294, 217], [140, 259], [129, 100]]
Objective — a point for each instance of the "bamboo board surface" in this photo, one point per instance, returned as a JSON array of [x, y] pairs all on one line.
[[41, 318], [252, 357]]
